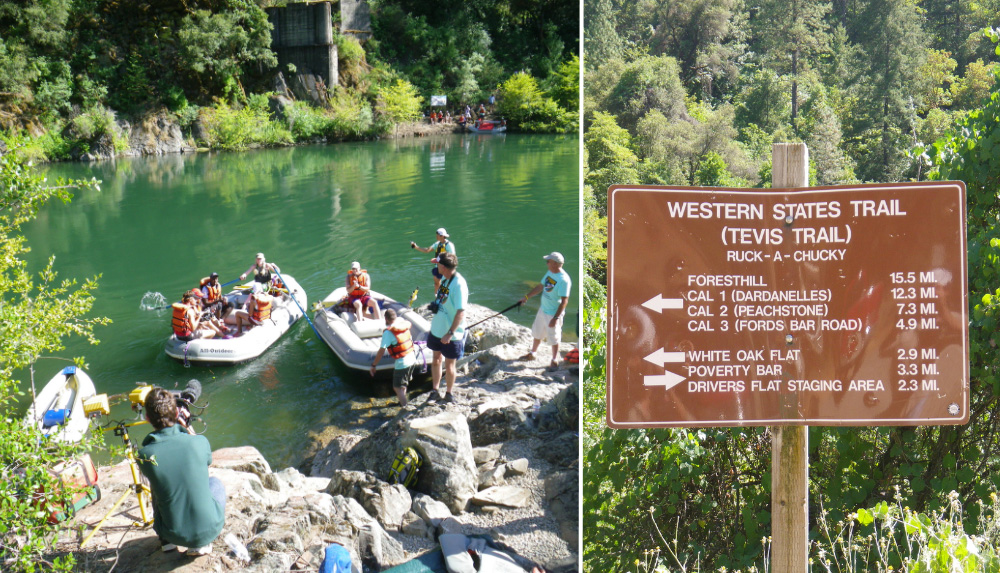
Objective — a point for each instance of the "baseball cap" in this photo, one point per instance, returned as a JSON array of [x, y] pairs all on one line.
[[554, 256], [260, 255], [214, 275], [442, 232], [356, 265]]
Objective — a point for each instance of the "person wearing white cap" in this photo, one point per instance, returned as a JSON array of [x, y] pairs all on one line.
[[359, 288], [261, 270], [555, 287], [441, 246]]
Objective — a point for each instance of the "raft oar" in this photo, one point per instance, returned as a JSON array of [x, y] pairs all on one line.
[[516, 304], [296, 301], [169, 305]]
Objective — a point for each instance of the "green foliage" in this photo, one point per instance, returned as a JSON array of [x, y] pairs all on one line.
[[647, 84], [399, 102], [352, 116], [565, 84], [526, 108], [99, 123], [610, 158], [239, 129], [38, 313], [306, 122], [712, 171], [215, 47]]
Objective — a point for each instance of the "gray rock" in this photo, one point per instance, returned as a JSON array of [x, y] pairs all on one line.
[[495, 425], [492, 477], [387, 503], [157, 133], [242, 459], [328, 460], [507, 495], [412, 524], [429, 509], [449, 470], [485, 454], [562, 451], [563, 413], [451, 525], [270, 562], [516, 467], [563, 495], [377, 549]]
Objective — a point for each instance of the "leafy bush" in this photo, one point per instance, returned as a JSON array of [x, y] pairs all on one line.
[[352, 116], [524, 106], [399, 102], [98, 122], [306, 122], [237, 130]]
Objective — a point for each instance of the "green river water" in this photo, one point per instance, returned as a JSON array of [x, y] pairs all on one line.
[[160, 224]]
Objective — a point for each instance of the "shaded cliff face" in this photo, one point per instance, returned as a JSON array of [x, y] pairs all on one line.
[[514, 432]]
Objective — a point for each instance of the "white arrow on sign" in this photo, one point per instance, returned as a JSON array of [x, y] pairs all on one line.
[[660, 357], [668, 380], [658, 303]]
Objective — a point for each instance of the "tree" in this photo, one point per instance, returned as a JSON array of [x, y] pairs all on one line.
[[36, 315], [610, 158], [399, 102], [651, 82]]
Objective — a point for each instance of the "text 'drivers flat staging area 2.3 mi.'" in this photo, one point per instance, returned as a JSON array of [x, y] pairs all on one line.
[[823, 306]]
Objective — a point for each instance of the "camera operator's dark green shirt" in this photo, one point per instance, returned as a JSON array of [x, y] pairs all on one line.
[[176, 463]]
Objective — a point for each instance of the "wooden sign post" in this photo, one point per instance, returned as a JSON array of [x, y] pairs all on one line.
[[789, 444]]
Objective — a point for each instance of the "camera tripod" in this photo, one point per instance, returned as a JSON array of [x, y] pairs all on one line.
[[139, 485]]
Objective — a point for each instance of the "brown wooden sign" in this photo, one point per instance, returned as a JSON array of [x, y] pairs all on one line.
[[814, 306]]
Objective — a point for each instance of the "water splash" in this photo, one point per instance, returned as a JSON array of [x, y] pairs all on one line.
[[152, 301]]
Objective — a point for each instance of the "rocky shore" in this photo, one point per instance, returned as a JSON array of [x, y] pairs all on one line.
[[502, 463]]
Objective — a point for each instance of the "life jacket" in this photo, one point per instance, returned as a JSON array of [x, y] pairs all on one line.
[[214, 292], [262, 275], [404, 342], [573, 356], [358, 279], [277, 284], [262, 310], [179, 320], [442, 248]]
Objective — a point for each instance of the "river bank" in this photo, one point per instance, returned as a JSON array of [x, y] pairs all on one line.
[[501, 462]]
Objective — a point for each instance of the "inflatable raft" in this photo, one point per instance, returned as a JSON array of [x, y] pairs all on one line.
[[356, 343], [252, 343]]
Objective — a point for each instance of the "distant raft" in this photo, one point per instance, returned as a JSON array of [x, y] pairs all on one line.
[[486, 126], [356, 343], [252, 343], [58, 409]]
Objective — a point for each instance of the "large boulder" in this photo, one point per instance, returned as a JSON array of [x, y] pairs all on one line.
[[495, 425], [449, 469], [242, 459], [157, 133], [386, 503]]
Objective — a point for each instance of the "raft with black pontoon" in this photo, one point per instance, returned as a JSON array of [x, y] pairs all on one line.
[[58, 409]]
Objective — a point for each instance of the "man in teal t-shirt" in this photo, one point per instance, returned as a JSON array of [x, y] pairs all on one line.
[[189, 508], [447, 335], [441, 246], [555, 287]]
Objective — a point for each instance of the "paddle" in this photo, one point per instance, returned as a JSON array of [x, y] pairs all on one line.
[[516, 304], [296, 301], [169, 305]]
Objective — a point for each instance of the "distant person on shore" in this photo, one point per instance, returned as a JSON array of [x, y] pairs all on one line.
[[359, 287], [397, 340], [261, 270], [482, 112], [447, 335], [493, 101], [468, 112], [189, 507], [439, 247], [555, 287]]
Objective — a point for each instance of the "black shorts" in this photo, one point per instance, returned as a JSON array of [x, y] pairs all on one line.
[[436, 273], [453, 350], [401, 377]]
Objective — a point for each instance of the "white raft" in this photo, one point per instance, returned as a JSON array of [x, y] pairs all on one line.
[[253, 342], [58, 408], [356, 343]]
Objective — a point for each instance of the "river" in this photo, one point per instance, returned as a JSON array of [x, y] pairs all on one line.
[[159, 224]]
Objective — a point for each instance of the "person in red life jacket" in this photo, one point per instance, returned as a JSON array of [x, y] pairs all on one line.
[[258, 309], [396, 339], [359, 286], [186, 319]]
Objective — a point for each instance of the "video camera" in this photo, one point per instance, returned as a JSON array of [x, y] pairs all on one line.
[[186, 399]]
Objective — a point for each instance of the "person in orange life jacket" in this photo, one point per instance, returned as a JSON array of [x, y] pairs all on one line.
[[261, 270], [205, 313], [259, 306], [212, 298], [359, 286], [186, 320], [439, 247], [397, 340]]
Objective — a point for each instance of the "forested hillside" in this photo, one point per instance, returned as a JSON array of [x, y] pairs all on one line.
[[70, 68], [694, 92]]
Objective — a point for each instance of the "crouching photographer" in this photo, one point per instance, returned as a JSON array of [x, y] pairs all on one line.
[[188, 505]]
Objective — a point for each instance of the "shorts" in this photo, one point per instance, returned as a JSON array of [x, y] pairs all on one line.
[[363, 298], [401, 377], [436, 273], [453, 350], [540, 328]]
